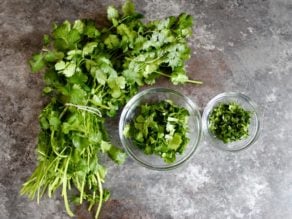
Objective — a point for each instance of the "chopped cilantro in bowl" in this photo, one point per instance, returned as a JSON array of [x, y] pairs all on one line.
[[160, 128], [231, 121]]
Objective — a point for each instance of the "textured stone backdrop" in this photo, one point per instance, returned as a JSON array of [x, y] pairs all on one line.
[[238, 45]]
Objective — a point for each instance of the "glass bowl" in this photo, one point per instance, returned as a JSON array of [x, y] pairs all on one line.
[[153, 95], [246, 103]]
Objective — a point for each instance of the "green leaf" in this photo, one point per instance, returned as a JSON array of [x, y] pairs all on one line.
[[121, 82], [124, 31], [184, 25], [46, 39], [179, 77], [62, 30], [60, 65], [90, 30], [128, 8], [89, 47], [105, 146], [116, 93], [100, 76], [78, 78], [74, 54], [175, 142], [79, 26], [102, 171], [112, 41], [117, 155], [44, 123], [47, 90], [73, 38], [96, 100], [73, 123], [37, 63], [77, 95], [61, 44], [53, 56], [126, 131], [112, 13], [69, 69], [54, 122]]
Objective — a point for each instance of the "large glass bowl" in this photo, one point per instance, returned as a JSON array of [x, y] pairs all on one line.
[[246, 103], [154, 95]]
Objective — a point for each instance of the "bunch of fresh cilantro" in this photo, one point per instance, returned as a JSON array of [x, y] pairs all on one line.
[[90, 74], [160, 128]]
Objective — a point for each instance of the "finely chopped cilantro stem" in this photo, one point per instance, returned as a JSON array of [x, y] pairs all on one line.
[[89, 75]]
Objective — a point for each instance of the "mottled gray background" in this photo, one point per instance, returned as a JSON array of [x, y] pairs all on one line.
[[238, 45]]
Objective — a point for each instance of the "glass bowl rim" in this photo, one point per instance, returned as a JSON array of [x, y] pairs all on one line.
[[212, 103], [129, 105]]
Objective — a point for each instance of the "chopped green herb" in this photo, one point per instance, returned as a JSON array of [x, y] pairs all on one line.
[[160, 128], [229, 122]]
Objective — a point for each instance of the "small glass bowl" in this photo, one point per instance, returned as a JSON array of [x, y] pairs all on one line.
[[153, 95], [246, 103]]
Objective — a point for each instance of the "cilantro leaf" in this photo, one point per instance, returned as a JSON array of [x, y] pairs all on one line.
[[128, 8], [112, 13], [79, 26], [46, 40], [90, 30], [60, 65], [117, 155], [179, 77], [89, 47], [112, 41], [70, 69], [53, 56], [37, 63]]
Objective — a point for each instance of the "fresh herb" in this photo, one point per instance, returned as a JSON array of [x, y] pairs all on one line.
[[160, 128], [229, 122], [89, 75]]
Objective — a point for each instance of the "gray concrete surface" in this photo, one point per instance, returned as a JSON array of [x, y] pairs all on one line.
[[238, 45]]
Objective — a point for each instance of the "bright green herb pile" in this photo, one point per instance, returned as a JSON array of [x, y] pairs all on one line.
[[161, 129], [229, 122], [90, 74]]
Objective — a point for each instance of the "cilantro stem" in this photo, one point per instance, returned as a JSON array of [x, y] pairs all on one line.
[[194, 82], [64, 190], [163, 74], [100, 196], [86, 108], [168, 76], [119, 22], [82, 190], [54, 147], [146, 62], [63, 112], [101, 105]]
